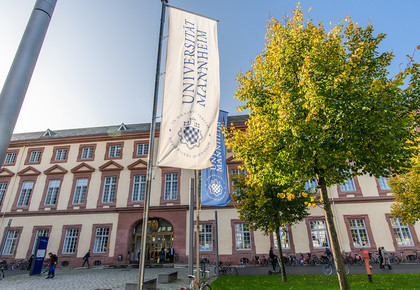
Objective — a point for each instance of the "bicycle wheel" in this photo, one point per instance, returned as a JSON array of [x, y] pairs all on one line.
[[327, 269], [233, 272], [347, 269], [205, 286]]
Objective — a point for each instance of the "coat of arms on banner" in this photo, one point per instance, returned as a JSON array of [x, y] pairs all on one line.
[[215, 188], [190, 134]]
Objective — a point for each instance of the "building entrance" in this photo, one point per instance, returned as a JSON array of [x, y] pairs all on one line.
[[159, 235]]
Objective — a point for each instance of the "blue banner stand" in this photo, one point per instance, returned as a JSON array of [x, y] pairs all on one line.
[[40, 252]]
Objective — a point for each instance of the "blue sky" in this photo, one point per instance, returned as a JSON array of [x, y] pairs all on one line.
[[98, 61]]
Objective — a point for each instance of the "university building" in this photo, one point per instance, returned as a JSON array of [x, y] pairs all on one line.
[[84, 189]]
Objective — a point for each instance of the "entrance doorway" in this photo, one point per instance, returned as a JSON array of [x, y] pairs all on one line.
[[159, 235]]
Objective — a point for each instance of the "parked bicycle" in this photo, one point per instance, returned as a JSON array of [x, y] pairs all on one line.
[[328, 269], [195, 283], [226, 270]]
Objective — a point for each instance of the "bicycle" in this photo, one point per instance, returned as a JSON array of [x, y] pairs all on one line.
[[195, 283], [328, 269], [226, 270]]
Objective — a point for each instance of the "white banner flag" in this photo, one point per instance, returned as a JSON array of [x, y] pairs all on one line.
[[191, 92]]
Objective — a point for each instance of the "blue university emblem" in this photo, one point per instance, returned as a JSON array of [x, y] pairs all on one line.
[[190, 134]]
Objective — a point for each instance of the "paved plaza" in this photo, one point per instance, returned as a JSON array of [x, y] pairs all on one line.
[[92, 278], [102, 278]]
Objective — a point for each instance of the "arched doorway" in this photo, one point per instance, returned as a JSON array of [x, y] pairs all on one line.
[[160, 235]]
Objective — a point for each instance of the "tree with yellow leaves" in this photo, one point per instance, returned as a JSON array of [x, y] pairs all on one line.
[[267, 207], [322, 105]]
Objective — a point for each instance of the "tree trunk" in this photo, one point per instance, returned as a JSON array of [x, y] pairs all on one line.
[[282, 267], [338, 259]]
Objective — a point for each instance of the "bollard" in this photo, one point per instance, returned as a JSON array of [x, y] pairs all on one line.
[[365, 255]]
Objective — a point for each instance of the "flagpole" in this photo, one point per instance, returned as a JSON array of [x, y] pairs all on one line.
[[150, 154]]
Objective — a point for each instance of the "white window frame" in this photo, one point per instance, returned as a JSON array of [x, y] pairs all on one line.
[[61, 154], [242, 236], [142, 149], [10, 243], [52, 191], [70, 241], [101, 240], [171, 186], [383, 183], [114, 151], [284, 236], [205, 237], [359, 233], [110, 186], [80, 190], [87, 153], [139, 188], [25, 193], [3, 187], [402, 233], [319, 234], [35, 156], [10, 158], [39, 233]]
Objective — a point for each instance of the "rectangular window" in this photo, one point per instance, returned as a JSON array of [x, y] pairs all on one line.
[[101, 240], [383, 183], [319, 234], [284, 236], [236, 173], [25, 193], [311, 185], [139, 187], [35, 156], [348, 185], [87, 153], [402, 233], [242, 236], [114, 151], [3, 186], [171, 186], [53, 187], [10, 158], [110, 184], [11, 242], [61, 154], [359, 233], [80, 191], [142, 149], [39, 233], [206, 238], [70, 241]]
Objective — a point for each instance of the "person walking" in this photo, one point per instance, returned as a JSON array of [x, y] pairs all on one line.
[[171, 255], [86, 258], [381, 258], [162, 256], [273, 258], [51, 265], [386, 259]]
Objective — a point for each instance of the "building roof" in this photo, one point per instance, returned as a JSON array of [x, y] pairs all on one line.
[[105, 130]]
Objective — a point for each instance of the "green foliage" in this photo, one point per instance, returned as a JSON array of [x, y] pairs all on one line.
[[406, 188], [323, 102], [265, 208]]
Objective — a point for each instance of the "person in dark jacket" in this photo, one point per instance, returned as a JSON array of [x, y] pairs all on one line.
[[273, 259], [51, 265], [86, 258]]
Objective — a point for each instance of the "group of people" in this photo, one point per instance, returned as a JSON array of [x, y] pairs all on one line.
[[383, 258]]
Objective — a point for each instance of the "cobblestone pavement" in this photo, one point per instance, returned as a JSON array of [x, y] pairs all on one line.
[[101, 278], [92, 278]]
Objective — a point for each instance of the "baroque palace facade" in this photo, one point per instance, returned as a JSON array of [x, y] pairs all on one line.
[[84, 188]]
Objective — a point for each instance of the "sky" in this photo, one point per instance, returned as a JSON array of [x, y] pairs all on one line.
[[98, 61]]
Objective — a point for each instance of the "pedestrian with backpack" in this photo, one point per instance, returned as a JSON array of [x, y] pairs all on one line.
[[51, 265]]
